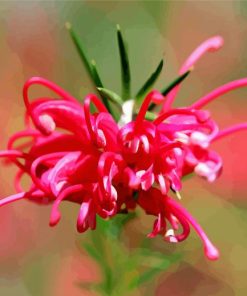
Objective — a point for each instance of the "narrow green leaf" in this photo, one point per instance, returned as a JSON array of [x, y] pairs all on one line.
[[152, 272], [95, 74], [90, 66], [107, 96], [92, 252], [80, 49], [112, 96], [125, 68], [98, 83], [148, 275], [174, 83], [149, 83], [117, 223]]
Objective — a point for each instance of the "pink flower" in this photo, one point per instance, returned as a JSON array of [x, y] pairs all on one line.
[[76, 163], [169, 211], [72, 154]]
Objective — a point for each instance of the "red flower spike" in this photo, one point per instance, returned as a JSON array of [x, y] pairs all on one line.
[[107, 167]]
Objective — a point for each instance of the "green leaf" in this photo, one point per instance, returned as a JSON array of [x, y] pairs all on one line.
[[98, 83], [116, 224], [90, 66], [174, 83], [149, 83], [112, 96], [92, 252], [80, 50], [95, 74], [152, 272], [97, 251], [125, 68]]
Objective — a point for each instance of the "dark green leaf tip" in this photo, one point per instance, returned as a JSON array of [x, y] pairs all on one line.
[[172, 85], [175, 82], [125, 67], [149, 82]]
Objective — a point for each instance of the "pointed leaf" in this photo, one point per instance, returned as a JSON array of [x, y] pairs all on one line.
[[90, 66], [174, 83], [95, 74], [90, 249], [80, 49], [149, 83], [117, 223], [152, 272], [125, 68], [98, 83], [112, 96], [107, 96]]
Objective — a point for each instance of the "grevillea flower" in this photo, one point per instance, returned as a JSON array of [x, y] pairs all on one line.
[[107, 168]]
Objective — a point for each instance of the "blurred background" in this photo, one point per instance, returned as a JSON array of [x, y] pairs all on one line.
[[37, 260]]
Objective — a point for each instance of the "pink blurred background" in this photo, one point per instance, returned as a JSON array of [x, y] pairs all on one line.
[[37, 260]]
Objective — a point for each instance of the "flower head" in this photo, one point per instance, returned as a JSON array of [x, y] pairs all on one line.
[[73, 154]]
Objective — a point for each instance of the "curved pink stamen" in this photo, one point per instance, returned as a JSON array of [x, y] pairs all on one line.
[[99, 105], [133, 180], [219, 92], [159, 226], [153, 96], [107, 169], [185, 226], [106, 213], [106, 160], [37, 162], [173, 221], [26, 133], [63, 165], [55, 214], [210, 250], [13, 155], [211, 44], [167, 147], [64, 113], [22, 134], [162, 184], [33, 105], [201, 117], [230, 130], [82, 223], [50, 85], [12, 198]]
